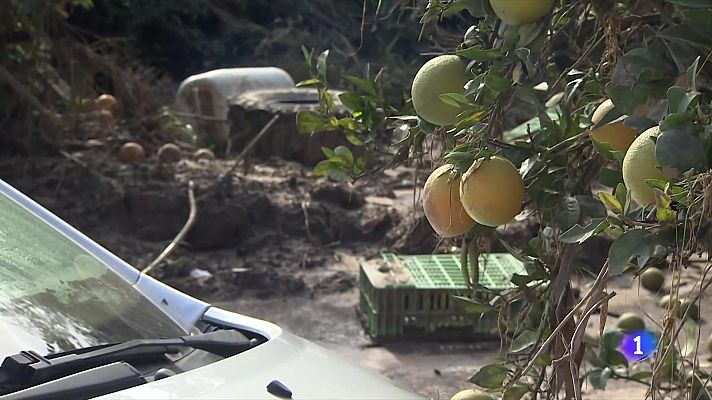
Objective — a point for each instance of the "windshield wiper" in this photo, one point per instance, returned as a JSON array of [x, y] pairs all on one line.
[[84, 385], [28, 368]]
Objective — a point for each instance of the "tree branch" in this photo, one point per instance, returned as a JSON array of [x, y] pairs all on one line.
[[181, 234], [7, 77]]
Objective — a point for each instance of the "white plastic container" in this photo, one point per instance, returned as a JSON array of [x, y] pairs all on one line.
[[202, 99]]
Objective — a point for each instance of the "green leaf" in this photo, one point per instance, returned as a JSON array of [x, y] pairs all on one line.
[[309, 122], [349, 124], [321, 64], [606, 150], [363, 84], [328, 152], [490, 376], [637, 68], [352, 100], [308, 55], [426, 126], [327, 167], [690, 327], [472, 87], [686, 34], [680, 99], [533, 125], [354, 139], [610, 341], [472, 307], [454, 99], [516, 253], [328, 105], [599, 377], [455, 7], [359, 165], [309, 82], [497, 82], [345, 154], [528, 33], [633, 243], [640, 124], [610, 176], [657, 184], [477, 53], [523, 280], [592, 357], [678, 151], [615, 358], [677, 121], [663, 212], [524, 341], [515, 392], [476, 117], [579, 234], [628, 98], [693, 69], [623, 197], [699, 20], [612, 204], [591, 207]]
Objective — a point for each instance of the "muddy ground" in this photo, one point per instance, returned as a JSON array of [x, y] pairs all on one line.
[[276, 243]]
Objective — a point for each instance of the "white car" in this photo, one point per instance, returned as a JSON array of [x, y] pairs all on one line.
[[77, 322]]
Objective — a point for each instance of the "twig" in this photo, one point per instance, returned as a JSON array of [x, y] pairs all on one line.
[[578, 333], [559, 327], [200, 116], [71, 157], [629, 378], [307, 226], [569, 69], [361, 30], [21, 91], [181, 235], [240, 158], [62, 172], [676, 333], [593, 303]]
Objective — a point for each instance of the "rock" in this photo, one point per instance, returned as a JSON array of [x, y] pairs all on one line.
[[200, 274], [338, 194], [203, 154], [338, 282]]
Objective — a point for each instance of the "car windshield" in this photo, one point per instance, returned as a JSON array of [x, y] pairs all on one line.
[[54, 296]]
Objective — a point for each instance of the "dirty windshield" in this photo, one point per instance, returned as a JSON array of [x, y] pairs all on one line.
[[55, 297]]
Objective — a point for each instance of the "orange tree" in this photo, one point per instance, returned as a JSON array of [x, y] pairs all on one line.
[[618, 145]]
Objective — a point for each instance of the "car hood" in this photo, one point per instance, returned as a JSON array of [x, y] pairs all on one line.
[[309, 370]]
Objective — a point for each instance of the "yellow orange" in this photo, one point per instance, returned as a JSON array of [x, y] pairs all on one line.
[[617, 135], [640, 164], [443, 74], [492, 191], [520, 12], [441, 203]]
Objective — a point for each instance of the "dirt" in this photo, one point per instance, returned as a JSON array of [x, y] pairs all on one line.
[[276, 243], [263, 233]]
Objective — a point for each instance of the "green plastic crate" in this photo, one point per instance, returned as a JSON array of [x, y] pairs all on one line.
[[404, 297]]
